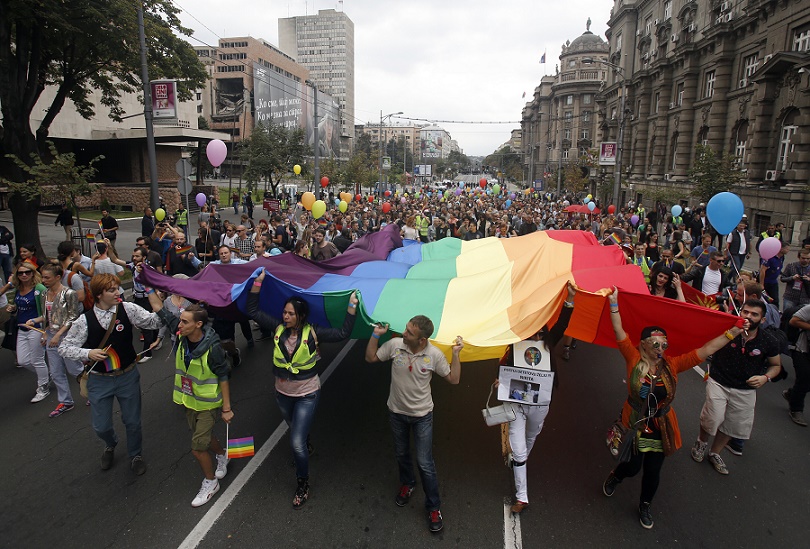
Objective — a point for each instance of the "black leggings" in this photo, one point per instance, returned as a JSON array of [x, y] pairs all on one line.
[[652, 462]]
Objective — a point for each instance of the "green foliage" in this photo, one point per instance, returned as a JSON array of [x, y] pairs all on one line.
[[507, 161], [362, 168], [271, 152], [711, 174], [202, 123]]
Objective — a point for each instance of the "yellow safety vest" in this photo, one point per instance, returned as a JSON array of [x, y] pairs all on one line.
[[303, 359], [422, 223], [204, 383], [645, 268], [182, 217]]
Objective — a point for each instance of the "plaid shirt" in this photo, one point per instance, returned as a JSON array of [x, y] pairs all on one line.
[[245, 245]]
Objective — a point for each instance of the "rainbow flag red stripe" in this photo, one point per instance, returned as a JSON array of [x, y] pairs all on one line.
[[240, 447], [113, 361], [183, 249]]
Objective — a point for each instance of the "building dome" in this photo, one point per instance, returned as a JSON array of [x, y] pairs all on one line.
[[588, 42]]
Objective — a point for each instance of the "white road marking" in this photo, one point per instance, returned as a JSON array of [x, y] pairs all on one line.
[[512, 538], [217, 509]]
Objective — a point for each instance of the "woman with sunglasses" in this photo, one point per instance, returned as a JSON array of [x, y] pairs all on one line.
[[29, 305], [652, 378], [298, 387]]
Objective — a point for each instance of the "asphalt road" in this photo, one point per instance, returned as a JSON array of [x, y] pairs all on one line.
[[57, 496]]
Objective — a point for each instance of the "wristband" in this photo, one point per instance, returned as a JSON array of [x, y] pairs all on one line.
[[614, 305], [226, 411], [766, 377], [729, 335], [614, 312], [353, 305], [375, 336], [569, 304]]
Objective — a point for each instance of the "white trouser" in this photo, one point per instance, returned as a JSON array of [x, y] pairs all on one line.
[[31, 354], [522, 434], [61, 368]]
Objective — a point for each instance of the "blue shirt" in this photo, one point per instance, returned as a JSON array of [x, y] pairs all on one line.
[[26, 307], [774, 271]]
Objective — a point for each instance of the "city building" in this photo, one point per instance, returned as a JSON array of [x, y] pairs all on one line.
[[732, 75], [560, 122], [324, 44]]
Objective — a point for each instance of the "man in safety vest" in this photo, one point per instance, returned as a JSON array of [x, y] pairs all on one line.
[[181, 219], [201, 385], [422, 225], [641, 261]]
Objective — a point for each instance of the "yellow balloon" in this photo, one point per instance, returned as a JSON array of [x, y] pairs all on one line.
[[160, 214], [318, 209], [590, 196], [297, 169], [343, 206], [307, 199]]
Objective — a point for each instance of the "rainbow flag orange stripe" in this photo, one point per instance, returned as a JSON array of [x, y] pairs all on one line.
[[183, 249], [240, 447], [113, 361]]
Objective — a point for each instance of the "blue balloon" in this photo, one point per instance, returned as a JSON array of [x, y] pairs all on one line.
[[592, 205], [337, 201], [508, 203], [725, 210], [676, 210], [586, 200]]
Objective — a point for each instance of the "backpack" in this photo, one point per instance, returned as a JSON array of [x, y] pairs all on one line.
[[88, 301], [791, 332]]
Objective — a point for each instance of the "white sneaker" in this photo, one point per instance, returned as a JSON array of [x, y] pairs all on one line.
[[42, 392], [222, 465], [144, 358], [208, 489], [159, 345]]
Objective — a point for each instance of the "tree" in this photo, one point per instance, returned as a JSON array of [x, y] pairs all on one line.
[[507, 161], [271, 151], [78, 47], [60, 179], [362, 169], [712, 174]]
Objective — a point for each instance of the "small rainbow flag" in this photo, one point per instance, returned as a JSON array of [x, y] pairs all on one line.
[[183, 249], [113, 361], [90, 236], [100, 226], [240, 447]]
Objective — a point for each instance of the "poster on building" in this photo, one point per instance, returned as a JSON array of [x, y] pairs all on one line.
[[432, 143], [607, 153], [164, 100], [283, 101]]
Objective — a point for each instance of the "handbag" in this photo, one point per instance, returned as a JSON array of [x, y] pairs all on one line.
[[11, 329], [82, 377], [498, 414], [620, 440]]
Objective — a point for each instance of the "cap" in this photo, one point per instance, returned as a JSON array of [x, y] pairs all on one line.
[[651, 331]]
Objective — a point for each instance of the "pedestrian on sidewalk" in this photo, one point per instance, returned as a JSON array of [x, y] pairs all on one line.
[[65, 218]]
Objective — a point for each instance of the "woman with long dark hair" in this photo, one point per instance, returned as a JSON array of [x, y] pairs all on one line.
[[298, 387], [665, 283]]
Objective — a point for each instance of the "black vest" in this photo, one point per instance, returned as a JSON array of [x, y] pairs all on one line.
[[120, 338]]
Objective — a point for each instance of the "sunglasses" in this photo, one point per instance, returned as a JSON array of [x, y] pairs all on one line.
[[660, 345], [19, 273]]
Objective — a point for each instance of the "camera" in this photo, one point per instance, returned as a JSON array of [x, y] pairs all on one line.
[[721, 299]]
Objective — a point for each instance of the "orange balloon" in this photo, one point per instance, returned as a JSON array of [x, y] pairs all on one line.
[[308, 199]]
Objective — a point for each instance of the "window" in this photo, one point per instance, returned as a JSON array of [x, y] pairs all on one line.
[[613, 113], [199, 109], [667, 10], [648, 26], [572, 63], [785, 146], [569, 115], [565, 154], [739, 153], [567, 134], [801, 40], [587, 99], [199, 96], [679, 95], [619, 42], [709, 88], [569, 99], [674, 152], [656, 101], [750, 63], [585, 133], [586, 116]]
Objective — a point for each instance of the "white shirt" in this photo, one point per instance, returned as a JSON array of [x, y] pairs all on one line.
[[711, 281]]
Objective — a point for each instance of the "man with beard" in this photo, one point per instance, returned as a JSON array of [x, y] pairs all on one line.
[[749, 362]]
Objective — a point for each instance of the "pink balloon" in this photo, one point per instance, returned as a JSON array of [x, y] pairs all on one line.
[[769, 247], [403, 200], [201, 199], [216, 151]]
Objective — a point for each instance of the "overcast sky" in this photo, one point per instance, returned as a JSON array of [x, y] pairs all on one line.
[[459, 60]]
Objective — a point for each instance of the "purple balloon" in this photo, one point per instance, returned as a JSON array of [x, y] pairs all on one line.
[[216, 151], [201, 199], [403, 200], [634, 220], [512, 196], [458, 192]]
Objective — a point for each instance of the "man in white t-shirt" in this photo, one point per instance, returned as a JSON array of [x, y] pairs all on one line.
[[410, 405], [710, 280]]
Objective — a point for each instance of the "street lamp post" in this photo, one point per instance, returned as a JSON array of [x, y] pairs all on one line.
[[617, 169], [317, 134], [382, 118]]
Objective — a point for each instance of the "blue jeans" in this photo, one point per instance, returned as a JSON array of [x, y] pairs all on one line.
[[299, 413], [422, 427], [127, 389]]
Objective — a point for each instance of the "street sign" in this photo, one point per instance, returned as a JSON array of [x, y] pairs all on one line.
[[183, 168], [386, 163]]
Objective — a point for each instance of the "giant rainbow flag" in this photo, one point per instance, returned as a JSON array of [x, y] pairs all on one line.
[[491, 291]]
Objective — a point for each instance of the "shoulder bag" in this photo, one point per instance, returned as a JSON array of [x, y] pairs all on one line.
[[498, 414]]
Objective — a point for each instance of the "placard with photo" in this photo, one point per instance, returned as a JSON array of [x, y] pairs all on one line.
[[525, 386]]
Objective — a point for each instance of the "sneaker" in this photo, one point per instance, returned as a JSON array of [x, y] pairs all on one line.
[[237, 359], [718, 464], [404, 495], [138, 466], [798, 418], [566, 354], [60, 409], [699, 450], [519, 506], [645, 516], [786, 394], [735, 446], [145, 358], [222, 465], [435, 521], [609, 486], [42, 392], [301, 493], [207, 490], [107, 458], [159, 345]]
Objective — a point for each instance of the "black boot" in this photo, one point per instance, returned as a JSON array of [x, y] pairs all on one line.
[[645, 515], [301, 493], [610, 484]]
